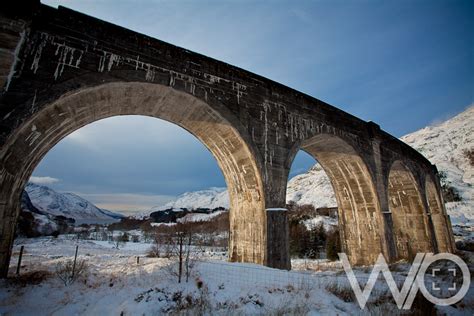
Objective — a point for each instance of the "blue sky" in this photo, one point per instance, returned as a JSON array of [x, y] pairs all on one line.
[[402, 64]]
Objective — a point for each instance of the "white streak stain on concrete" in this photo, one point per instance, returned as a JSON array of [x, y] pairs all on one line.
[[15, 59]]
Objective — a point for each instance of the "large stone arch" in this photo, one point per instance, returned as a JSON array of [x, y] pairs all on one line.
[[438, 216], [410, 221], [35, 137], [358, 206]]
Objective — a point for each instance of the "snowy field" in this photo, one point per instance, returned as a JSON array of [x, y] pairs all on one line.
[[115, 284]]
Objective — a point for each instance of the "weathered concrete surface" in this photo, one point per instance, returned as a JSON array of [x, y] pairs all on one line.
[[62, 70], [441, 222], [410, 221], [277, 223]]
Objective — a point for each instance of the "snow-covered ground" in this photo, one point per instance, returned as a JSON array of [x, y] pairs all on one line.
[[115, 284]]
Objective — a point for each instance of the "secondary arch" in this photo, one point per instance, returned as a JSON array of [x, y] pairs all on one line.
[[410, 222], [438, 216], [358, 207]]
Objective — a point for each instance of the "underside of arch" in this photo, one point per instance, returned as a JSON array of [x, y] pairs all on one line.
[[358, 207], [410, 222], [27, 146], [438, 216]]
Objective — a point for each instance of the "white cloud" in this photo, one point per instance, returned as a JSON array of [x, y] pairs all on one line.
[[43, 180]]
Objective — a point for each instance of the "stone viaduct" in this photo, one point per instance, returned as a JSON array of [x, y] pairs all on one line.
[[61, 70]]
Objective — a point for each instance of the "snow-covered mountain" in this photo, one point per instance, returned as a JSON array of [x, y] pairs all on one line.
[[445, 144], [210, 198], [312, 187], [70, 205]]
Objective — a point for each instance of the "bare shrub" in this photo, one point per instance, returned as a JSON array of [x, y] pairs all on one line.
[[382, 308], [30, 278], [204, 302], [163, 245], [398, 266], [344, 292], [179, 242], [466, 245], [68, 272], [469, 154], [421, 306], [299, 308], [154, 251], [121, 239], [304, 288]]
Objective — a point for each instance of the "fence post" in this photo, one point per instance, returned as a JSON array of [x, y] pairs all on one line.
[[19, 260], [74, 265]]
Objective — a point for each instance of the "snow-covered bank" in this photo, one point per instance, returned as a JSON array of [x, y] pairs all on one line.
[[116, 285]]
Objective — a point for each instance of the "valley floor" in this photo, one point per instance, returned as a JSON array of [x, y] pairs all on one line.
[[115, 284]]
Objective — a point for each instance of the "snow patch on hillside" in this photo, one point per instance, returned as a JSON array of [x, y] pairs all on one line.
[[312, 187]]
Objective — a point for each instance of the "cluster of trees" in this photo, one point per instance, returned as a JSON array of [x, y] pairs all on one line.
[[129, 223], [214, 232], [184, 243], [311, 241], [450, 193], [34, 223], [28, 226]]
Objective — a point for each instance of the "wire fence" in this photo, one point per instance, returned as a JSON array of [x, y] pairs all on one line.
[[320, 275], [248, 275]]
